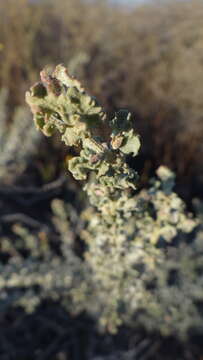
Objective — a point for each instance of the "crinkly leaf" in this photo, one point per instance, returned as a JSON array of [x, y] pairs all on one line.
[[131, 143], [61, 97]]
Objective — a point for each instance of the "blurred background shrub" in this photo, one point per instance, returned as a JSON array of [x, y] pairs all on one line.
[[148, 59]]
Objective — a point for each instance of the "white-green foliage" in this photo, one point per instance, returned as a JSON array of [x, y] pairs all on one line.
[[18, 140], [35, 270], [128, 277], [147, 269], [143, 261]]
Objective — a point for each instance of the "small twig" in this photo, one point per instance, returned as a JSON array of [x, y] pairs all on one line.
[[20, 217], [33, 190], [34, 194]]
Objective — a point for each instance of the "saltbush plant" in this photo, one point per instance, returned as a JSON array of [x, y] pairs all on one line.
[[143, 259]]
